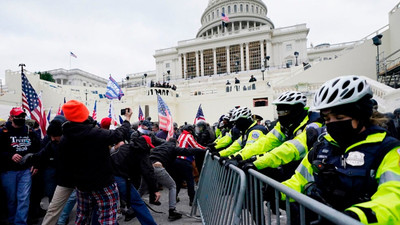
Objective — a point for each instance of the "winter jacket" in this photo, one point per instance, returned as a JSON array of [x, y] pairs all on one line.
[[132, 161], [85, 153]]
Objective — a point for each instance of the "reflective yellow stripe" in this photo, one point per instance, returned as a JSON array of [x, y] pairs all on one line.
[[278, 135], [388, 176], [304, 172], [300, 148]]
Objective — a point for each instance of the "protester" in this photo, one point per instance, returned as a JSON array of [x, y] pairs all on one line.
[[17, 140], [91, 172]]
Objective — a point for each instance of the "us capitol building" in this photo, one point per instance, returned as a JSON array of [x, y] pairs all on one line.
[[204, 68]]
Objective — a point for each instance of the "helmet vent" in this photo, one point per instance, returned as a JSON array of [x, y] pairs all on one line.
[[345, 84], [334, 83], [360, 87], [333, 96], [349, 94]]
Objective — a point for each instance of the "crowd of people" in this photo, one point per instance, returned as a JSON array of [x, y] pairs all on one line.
[[345, 156]]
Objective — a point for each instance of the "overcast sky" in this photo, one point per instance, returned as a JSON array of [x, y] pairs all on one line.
[[120, 37]]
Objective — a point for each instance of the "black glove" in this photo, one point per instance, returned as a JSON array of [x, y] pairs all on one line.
[[247, 166], [233, 161], [211, 147], [242, 162], [222, 159], [352, 215], [214, 154]]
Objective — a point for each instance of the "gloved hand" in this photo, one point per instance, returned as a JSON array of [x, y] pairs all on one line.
[[247, 166], [233, 161], [352, 215], [222, 159], [211, 148], [214, 154], [242, 162]]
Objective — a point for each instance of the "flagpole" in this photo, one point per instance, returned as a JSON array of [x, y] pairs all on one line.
[[69, 61]]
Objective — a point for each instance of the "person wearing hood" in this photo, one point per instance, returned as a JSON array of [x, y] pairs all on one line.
[[17, 140], [84, 150]]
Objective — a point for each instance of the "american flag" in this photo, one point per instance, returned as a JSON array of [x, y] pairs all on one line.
[[48, 116], [94, 115], [32, 104], [140, 116], [113, 90], [112, 115], [199, 115], [60, 111], [225, 18], [165, 118], [73, 55]]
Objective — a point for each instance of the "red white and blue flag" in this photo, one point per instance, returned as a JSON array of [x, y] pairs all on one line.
[[48, 116], [32, 104], [60, 111], [73, 55], [94, 114], [113, 90], [199, 115], [140, 116], [165, 118], [225, 18]]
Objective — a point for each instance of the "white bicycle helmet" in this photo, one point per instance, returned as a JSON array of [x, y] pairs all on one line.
[[340, 91], [291, 98], [241, 113]]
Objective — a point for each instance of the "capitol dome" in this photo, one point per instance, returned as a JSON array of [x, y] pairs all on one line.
[[243, 14]]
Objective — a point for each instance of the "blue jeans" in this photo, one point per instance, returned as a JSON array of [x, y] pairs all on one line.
[[67, 208], [137, 204], [17, 186]]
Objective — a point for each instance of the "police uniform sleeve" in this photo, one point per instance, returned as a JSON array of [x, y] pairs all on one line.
[[265, 144], [287, 152], [235, 147], [384, 206], [302, 176], [224, 141], [254, 137]]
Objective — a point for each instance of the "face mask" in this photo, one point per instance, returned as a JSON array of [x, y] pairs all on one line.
[[19, 122], [242, 124], [143, 131], [285, 121], [342, 132]]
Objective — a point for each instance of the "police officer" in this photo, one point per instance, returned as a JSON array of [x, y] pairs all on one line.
[[250, 133], [354, 167], [286, 144]]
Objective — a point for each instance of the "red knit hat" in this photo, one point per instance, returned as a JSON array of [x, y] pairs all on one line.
[[106, 122], [148, 140], [75, 111]]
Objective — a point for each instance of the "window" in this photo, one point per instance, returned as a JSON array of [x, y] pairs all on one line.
[[247, 8], [229, 9], [241, 8], [221, 60], [255, 55], [167, 65], [218, 12], [234, 53], [223, 10], [288, 47], [191, 64], [260, 102], [235, 9], [213, 16], [252, 8], [257, 10], [208, 17], [208, 59]]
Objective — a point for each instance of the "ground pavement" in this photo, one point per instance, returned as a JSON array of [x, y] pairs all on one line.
[[160, 219]]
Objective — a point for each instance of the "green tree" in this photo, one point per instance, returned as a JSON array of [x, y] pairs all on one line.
[[46, 76]]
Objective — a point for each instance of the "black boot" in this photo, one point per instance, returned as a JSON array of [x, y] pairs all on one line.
[[174, 215]]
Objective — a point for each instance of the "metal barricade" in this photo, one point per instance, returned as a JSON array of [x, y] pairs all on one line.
[[220, 193], [229, 196], [256, 209]]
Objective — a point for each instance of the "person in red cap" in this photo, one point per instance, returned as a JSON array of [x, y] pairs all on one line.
[[16, 141], [85, 152]]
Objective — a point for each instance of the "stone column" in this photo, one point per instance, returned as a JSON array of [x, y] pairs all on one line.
[[184, 66], [215, 60], [241, 58], [202, 63], [262, 53], [197, 64], [228, 60], [247, 57]]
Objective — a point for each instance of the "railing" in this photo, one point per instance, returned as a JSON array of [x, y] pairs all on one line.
[[229, 196], [219, 197]]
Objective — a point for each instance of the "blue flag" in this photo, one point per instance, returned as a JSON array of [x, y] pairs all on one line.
[[113, 90]]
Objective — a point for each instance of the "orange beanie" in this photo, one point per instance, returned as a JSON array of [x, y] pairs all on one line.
[[75, 111]]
